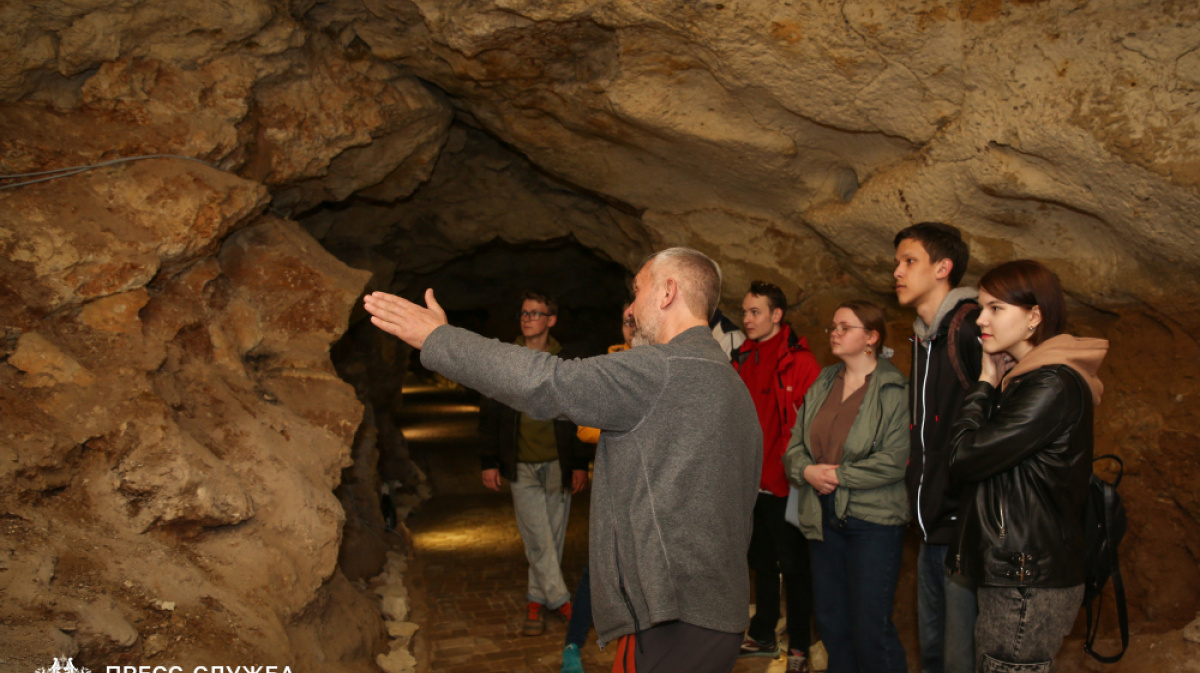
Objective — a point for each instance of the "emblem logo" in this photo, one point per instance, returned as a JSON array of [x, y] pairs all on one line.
[[64, 665]]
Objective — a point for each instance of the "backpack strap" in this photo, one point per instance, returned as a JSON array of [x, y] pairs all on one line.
[[1093, 626], [952, 338]]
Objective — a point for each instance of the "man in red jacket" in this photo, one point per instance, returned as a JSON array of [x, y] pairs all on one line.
[[778, 368]]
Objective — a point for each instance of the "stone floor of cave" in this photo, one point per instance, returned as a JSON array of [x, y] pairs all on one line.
[[468, 571]]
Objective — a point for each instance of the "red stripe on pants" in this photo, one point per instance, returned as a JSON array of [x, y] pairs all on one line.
[[625, 661]]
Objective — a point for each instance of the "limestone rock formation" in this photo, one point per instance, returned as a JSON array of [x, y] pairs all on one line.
[[795, 137], [167, 383], [169, 401]]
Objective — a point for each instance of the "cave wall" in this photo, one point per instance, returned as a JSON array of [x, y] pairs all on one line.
[[174, 429]]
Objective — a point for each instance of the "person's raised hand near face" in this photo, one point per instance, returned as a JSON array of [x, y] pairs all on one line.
[[401, 318]]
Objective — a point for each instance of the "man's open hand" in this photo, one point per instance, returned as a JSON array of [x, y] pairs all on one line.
[[404, 319]]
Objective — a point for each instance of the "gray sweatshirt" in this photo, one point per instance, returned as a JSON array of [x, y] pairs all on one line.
[[676, 473]]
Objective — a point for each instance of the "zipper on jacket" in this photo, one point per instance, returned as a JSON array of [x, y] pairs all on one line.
[[958, 554], [637, 629], [874, 443], [924, 449]]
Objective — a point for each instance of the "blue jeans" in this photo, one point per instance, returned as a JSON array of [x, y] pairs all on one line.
[[1020, 630], [946, 611], [854, 571], [581, 610]]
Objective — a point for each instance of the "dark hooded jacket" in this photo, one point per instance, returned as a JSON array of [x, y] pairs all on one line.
[[940, 380]]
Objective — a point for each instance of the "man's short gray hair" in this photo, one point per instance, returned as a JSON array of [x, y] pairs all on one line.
[[698, 277]]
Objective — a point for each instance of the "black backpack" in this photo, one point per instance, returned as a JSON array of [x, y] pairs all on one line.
[[1103, 528]]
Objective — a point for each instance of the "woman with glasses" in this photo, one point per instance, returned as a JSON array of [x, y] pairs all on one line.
[[847, 458], [1022, 449]]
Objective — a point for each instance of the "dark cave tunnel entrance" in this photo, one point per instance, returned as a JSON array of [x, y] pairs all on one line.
[[481, 291]]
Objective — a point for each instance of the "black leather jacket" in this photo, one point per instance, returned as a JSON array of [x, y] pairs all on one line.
[[1023, 457]]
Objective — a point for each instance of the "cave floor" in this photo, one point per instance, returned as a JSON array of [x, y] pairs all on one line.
[[468, 571]]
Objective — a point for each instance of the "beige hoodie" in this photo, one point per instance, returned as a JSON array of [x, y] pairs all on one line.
[[1079, 353]]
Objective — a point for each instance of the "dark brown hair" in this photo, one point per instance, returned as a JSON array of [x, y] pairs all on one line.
[[541, 297], [1026, 283], [872, 316], [776, 299], [941, 241]]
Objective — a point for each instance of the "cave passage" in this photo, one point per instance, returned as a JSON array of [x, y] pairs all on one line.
[[481, 290], [468, 569]]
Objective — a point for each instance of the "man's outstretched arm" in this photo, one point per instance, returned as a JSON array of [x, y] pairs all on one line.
[[613, 395], [401, 318]]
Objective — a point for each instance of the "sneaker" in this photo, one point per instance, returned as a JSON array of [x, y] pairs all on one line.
[[564, 611], [571, 661], [534, 624], [754, 648], [796, 662]]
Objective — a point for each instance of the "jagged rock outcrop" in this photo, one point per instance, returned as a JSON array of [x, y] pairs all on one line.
[[174, 426], [249, 88]]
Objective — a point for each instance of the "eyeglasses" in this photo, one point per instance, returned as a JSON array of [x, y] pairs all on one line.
[[629, 323], [533, 315], [841, 328]]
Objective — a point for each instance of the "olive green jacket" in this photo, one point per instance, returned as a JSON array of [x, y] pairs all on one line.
[[871, 475]]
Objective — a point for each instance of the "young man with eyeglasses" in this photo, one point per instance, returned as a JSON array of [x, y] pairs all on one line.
[[777, 367], [545, 463], [931, 259]]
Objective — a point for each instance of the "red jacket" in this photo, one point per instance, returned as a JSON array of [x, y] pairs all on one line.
[[795, 372]]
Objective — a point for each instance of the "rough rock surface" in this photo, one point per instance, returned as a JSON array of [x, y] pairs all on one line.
[[173, 428], [788, 135]]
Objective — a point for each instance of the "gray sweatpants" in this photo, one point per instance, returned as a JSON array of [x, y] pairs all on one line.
[[542, 506]]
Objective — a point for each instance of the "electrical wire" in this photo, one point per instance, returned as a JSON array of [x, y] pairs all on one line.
[[76, 170]]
